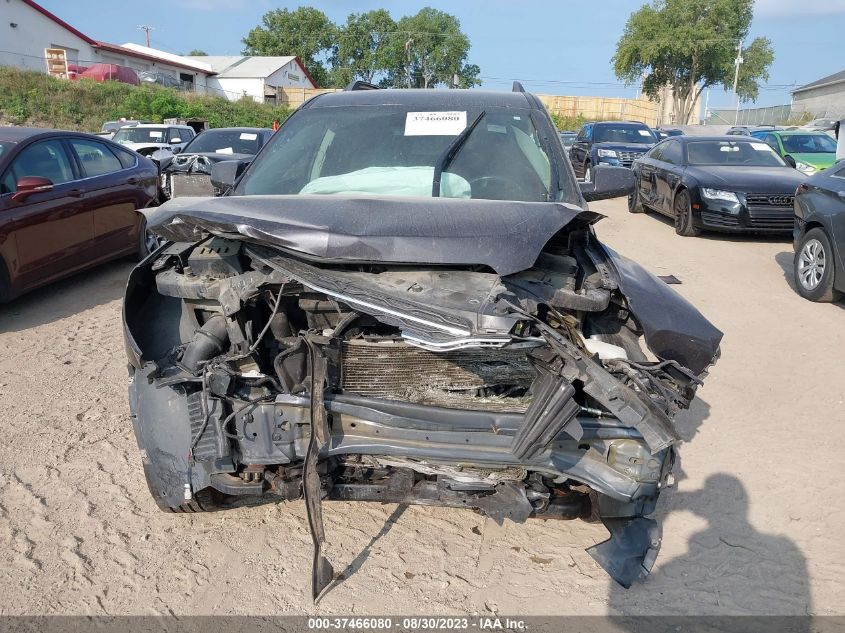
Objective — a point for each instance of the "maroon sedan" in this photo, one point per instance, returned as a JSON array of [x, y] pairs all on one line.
[[68, 201]]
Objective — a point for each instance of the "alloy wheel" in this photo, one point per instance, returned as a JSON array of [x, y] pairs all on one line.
[[811, 263]]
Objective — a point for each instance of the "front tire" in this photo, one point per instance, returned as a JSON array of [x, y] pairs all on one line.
[[813, 267], [147, 241], [684, 224]]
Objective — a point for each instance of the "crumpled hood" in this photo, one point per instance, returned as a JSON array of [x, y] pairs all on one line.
[[504, 235], [507, 236]]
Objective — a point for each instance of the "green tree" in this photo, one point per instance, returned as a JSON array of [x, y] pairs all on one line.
[[305, 32], [429, 49], [690, 45], [360, 51], [197, 53]]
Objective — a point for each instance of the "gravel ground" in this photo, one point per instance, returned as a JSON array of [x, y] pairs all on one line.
[[753, 527]]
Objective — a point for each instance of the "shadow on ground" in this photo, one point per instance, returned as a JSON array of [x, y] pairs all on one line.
[[67, 297], [729, 567], [362, 557]]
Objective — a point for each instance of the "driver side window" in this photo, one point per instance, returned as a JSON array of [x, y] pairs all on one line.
[[46, 159]]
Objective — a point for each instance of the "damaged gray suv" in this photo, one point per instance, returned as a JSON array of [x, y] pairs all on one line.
[[403, 300]]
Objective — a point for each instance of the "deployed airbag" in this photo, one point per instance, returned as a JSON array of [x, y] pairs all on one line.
[[390, 181]]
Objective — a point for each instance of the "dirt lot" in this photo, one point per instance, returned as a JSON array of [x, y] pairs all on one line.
[[754, 526]]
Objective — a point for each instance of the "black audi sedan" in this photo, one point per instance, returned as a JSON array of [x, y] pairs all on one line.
[[719, 183], [819, 235]]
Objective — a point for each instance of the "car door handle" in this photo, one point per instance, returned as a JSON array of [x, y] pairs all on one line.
[[132, 180], [76, 192]]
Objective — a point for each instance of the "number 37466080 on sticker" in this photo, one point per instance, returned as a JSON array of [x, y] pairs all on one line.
[[435, 123]]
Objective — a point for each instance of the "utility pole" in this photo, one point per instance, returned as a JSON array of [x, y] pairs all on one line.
[[408, 46], [706, 104], [146, 29], [736, 78]]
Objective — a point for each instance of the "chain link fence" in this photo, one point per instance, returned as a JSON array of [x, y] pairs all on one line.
[[772, 115]]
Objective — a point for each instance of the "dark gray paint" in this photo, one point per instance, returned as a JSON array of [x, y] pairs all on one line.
[[506, 236]]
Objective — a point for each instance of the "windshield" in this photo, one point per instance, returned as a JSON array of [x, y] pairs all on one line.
[[393, 150], [111, 126], [808, 144], [738, 153], [225, 141], [141, 135], [623, 133]]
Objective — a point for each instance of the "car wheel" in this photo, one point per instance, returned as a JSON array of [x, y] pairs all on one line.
[[814, 267], [147, 240], [635, 205], [683, 215], [588, 172]]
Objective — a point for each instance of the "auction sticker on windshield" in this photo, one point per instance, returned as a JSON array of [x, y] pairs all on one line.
[[435, 123]]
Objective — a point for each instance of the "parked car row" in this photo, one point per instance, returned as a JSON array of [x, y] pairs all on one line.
[[752, 180], [70, 200]]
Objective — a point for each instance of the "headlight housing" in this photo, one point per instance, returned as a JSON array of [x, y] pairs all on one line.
[[718, 194], [607, 153], [804, 168]]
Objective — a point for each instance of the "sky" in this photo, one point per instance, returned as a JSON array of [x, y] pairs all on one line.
[[552, 46]]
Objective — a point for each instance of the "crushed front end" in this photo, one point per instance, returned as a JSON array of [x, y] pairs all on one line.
[[260, 372]]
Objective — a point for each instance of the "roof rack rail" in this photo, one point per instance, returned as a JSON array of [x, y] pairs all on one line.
[[517, 87], [360, 85]]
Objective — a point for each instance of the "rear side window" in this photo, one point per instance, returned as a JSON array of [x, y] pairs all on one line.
[[46, 159], [96, 159], [126, 158], [672, 153]]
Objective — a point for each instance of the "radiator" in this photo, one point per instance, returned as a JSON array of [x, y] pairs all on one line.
[[397, 371]]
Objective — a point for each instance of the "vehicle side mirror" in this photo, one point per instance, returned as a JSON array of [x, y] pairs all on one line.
[[225, 173], [29, 185], [790, 161], [609, 182], [176, 140]]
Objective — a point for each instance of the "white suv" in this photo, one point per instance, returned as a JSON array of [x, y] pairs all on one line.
[[147, 138]]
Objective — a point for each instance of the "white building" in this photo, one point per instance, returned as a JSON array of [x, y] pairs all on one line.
[[27, 28], [237, 76], [823, 98]]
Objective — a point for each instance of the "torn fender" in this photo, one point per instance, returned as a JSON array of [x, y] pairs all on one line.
[[673, 328]]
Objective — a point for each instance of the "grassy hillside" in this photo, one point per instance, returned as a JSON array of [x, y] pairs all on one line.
[[36, 99]]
